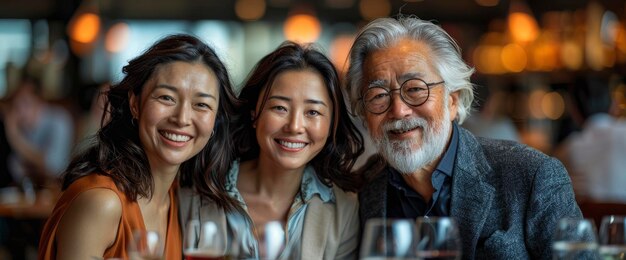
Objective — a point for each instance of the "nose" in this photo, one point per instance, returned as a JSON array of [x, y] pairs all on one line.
[[182, 115], [398, 108], [296, 123]]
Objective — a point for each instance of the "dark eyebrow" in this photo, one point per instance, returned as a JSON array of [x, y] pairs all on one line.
[[316, 102], [310, 101], [174, 89]]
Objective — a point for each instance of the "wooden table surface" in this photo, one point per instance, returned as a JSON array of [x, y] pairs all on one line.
[[20, 207]]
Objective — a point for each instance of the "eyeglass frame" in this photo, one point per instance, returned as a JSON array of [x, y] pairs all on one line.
[[389, 91]]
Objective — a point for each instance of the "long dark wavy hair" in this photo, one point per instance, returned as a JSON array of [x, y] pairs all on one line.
[[334, 162], [116, 151]]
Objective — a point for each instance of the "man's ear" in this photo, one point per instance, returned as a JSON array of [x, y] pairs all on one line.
[[453, 104]]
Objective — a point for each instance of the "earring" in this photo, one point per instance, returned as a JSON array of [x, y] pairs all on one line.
[[132, 121], [212, 133]]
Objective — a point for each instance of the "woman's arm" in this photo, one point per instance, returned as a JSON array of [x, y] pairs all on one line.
[[90, 225]]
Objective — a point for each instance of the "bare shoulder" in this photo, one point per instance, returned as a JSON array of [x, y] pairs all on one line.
[[90, 224]]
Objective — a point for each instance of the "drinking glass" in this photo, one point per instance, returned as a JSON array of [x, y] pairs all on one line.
[[272, 241], [438, 239], [575, 239], [146, 245], [613, 237], [389, 239], [204, 241]]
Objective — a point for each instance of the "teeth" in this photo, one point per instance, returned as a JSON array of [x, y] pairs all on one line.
[[175, 137], [292, 145]]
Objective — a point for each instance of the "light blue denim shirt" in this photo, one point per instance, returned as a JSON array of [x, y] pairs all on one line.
[[311, 186]]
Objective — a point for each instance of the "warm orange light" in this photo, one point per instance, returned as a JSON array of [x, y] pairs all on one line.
[[609, 57], [372, 9], [594, 52], [116, 38], [302, 28], [544, 54], [85, 28], [552, 105], [513, 57], [620, 38], [535, 101], [571, 55], [250, 10], [488, 60], [523, 27]]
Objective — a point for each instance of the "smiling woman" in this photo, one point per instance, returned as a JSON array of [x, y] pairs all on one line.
[[296, 146], [167, 118], [177, 112]]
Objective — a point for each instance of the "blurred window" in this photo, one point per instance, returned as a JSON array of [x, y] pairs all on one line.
[[15, 46]]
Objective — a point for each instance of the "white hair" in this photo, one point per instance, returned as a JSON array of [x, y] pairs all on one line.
[[383, 32]]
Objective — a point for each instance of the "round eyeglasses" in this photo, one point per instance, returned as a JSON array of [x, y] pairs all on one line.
[[414, 92]]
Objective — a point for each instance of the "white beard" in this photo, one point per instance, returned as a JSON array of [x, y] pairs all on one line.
[[400, 154]]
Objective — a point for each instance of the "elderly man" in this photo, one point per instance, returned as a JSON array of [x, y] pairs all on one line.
[[408, 82]]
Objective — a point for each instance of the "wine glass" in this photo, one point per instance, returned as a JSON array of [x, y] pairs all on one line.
[[438, 238], [575, 239], [146, 245], [389, 238], [204, 241], [613, 237], [272, 241]]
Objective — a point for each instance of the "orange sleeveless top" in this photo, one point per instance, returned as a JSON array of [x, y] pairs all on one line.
[[131, 220]]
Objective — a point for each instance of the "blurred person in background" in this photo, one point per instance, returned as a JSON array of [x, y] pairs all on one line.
[[93, 101], [40, 134], [491, 121], [594, 156], [167, 118]]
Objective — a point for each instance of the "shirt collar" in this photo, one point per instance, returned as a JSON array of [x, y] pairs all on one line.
[[309, 187], [446, 165]]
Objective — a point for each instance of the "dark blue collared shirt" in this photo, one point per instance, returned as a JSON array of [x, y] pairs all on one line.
[[404, 202]]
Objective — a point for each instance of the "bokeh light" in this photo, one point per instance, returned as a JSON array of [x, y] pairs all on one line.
[[250, 10], [513, 57], [85, 28], [552, 105], [302, 28], [117, 37]]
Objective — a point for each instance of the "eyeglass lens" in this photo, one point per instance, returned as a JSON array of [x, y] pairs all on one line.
[[414, 92]]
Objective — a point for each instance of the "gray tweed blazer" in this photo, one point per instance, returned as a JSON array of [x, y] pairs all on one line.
[[506, 198]]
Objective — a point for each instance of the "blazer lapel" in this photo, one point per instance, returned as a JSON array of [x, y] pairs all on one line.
[[472, 196], [373, 196], [373, 199], [318, 220]]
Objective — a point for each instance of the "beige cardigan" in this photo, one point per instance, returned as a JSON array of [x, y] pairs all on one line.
[[331, 230]]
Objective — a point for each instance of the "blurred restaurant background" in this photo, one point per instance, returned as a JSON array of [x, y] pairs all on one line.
[[529, 55]]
